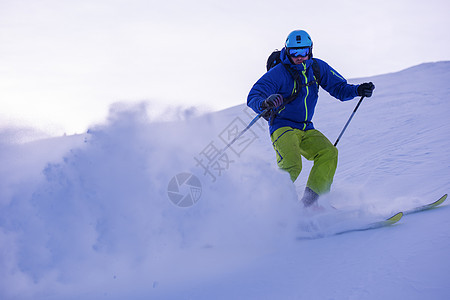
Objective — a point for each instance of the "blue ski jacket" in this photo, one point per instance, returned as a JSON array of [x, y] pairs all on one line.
[[299, 112]]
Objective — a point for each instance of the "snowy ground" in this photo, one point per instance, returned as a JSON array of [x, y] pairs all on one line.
[[90, 216]]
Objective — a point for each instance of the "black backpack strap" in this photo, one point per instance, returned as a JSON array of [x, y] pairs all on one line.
[[316, 71], [270, 116], [297, 84], [297, 87]]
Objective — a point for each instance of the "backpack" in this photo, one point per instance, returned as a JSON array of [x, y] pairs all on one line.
[[274, 59]]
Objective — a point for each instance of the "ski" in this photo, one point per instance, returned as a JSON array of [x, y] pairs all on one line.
[[395, 218], [426, 206], [387, 222], [379, 224]]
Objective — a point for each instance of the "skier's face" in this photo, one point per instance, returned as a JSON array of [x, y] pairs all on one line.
[[299, 55], [299, 60]]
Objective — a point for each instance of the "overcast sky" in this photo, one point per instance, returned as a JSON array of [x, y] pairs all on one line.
[[62, 63]]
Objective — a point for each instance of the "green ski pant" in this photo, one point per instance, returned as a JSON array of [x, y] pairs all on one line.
[[291, 144]]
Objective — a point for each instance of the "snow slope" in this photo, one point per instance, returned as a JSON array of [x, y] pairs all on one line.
[[90, 216]]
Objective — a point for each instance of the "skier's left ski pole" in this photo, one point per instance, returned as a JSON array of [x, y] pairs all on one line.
[[349, 119], [255, 119]]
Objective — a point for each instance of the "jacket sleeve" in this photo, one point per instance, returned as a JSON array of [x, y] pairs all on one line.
[[335, 84], [262, 89]]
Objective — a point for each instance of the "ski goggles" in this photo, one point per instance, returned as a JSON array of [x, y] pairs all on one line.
[[296, 52]]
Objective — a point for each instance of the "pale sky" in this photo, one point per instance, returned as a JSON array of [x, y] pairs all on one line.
[[62, 63]]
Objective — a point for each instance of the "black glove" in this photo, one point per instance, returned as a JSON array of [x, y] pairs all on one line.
[[273, 101], [366, 89]]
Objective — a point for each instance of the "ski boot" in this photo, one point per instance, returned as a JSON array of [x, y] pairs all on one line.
[[309, 197]]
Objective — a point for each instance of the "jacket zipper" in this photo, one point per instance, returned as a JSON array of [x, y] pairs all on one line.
[[307, 94]]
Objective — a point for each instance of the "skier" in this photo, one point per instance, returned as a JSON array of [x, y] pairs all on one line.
[[290, 115]]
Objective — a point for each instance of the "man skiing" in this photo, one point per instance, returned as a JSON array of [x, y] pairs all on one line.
[[290, 91]]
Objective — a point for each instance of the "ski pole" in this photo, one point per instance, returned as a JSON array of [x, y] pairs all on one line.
[[349, 119], [255, 119]]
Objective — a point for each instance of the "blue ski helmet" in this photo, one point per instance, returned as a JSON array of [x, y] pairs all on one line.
[[297, 39]]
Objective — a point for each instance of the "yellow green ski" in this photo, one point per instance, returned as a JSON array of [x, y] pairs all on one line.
[[387, 222], [395, 218], [426, 206]]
